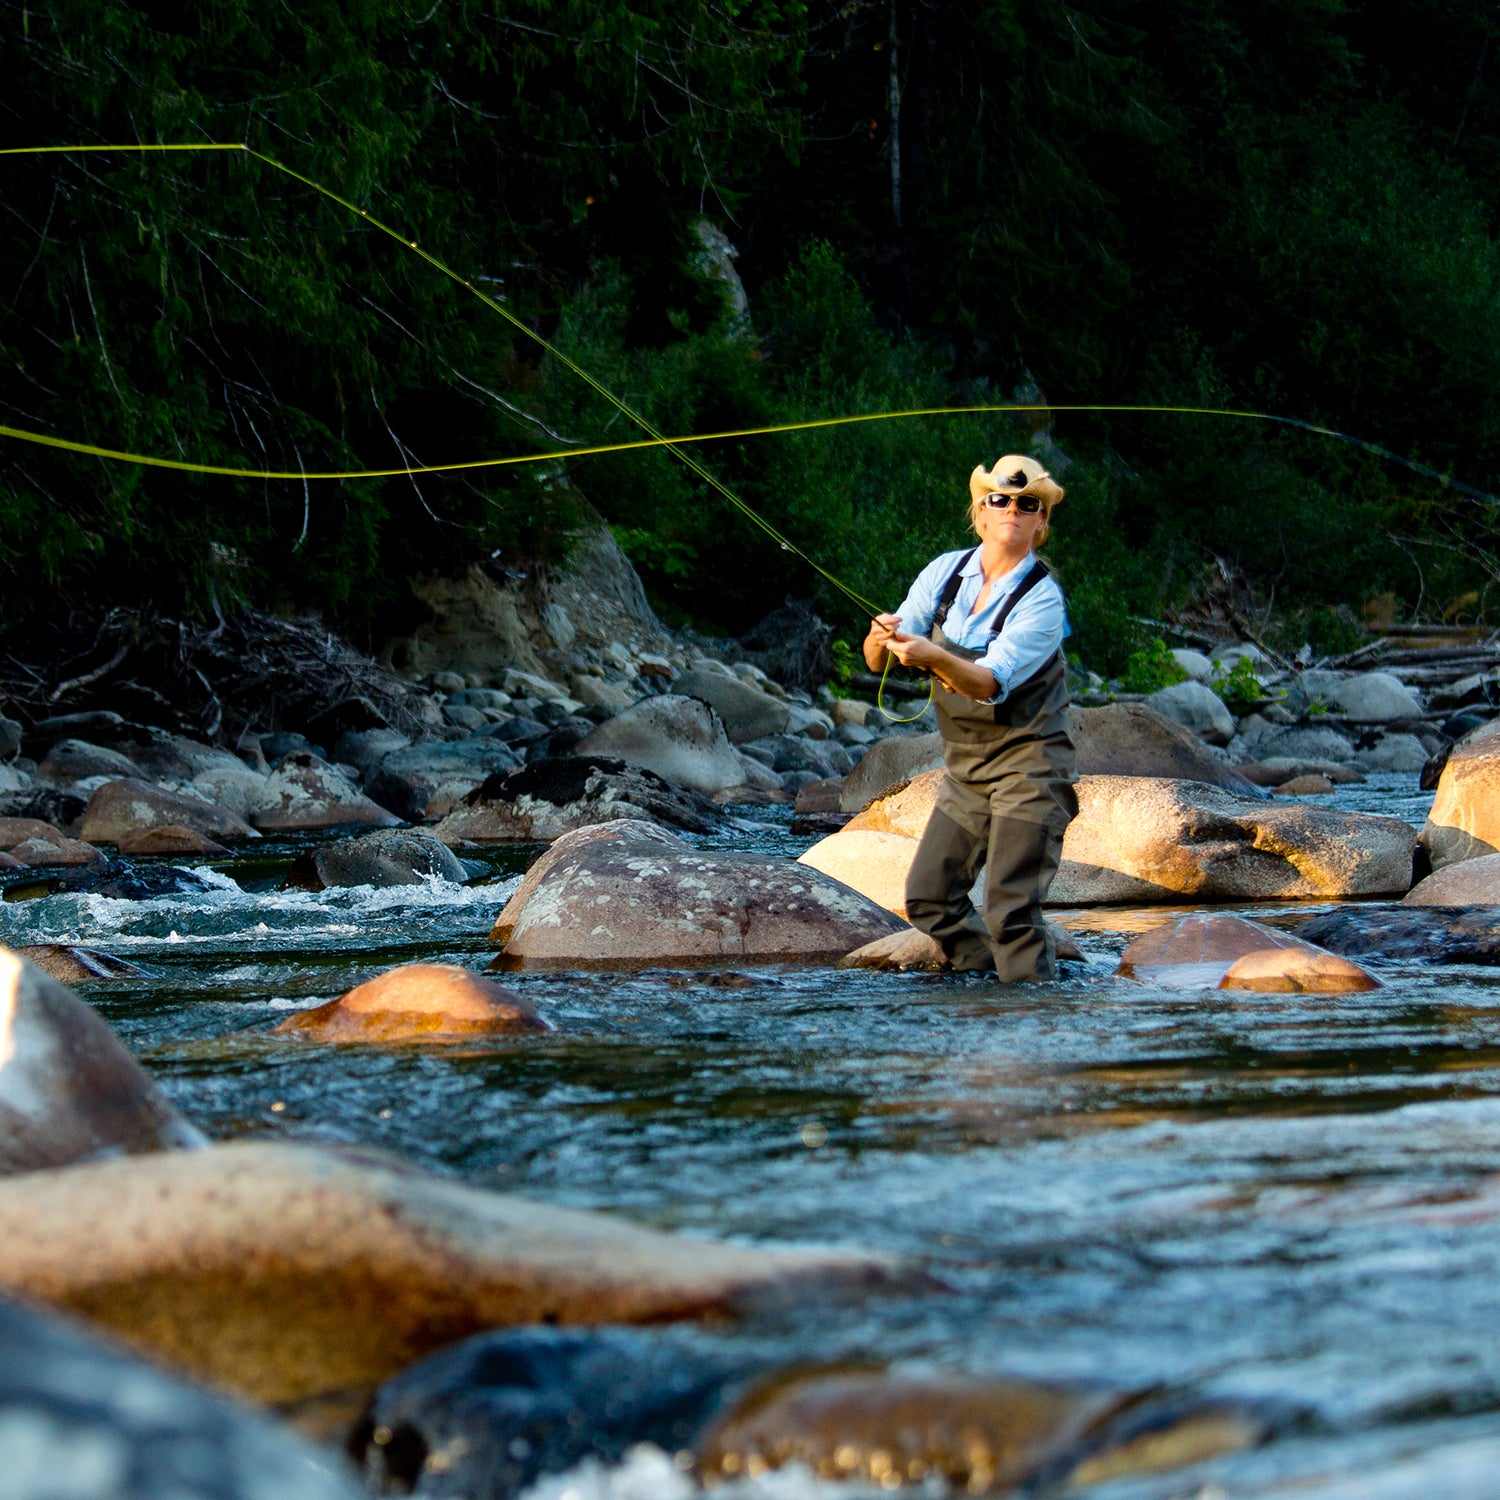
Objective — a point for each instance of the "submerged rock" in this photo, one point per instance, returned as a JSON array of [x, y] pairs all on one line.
[[417, 1003], [123, 881], [1440, 935], [628, 904], [82, 1420], [389, 857], [68, 1088], [549, 798], [119, 808], [1279, 971], [288, 1272]]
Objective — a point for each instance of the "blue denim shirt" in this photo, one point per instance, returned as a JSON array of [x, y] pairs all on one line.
[[1031, 636]]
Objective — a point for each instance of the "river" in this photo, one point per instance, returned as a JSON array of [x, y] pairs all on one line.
[[1286, 1199]]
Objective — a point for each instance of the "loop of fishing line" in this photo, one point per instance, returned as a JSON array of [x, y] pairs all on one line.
[[674, 445]]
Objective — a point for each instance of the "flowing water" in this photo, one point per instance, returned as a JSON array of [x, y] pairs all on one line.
[[1288, 1199]]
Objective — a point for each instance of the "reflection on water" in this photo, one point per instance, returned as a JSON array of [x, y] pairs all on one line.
[[1289, 1198]]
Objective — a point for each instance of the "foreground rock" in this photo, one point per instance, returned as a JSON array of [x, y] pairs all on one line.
[[85, 1421], [389, 857], [1464, 822], [418, 1003], [305, 792], [121, 808], [1142, 840], [679, 739], [968, 1434], [1439, 935], [1234, 953], [290, 1272], [69, 964], [627, 904], [68, 1088], [548, 798], [1470, 882]]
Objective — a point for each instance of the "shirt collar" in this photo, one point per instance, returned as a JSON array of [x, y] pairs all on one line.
[[1003, 582]]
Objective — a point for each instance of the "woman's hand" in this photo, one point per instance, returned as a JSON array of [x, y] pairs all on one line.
[[883, 631], [917, 651]]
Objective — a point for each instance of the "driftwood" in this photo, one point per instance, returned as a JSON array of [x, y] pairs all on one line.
[[250, 672]]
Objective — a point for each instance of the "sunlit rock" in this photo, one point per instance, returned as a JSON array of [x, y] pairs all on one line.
[[1464, 822], [305, 792], [68, 1089], [548, 798], [289, 1272], [1276, 971], [130, 806], [874, 864], [83, 1420], [418, 1003], [627, 905]]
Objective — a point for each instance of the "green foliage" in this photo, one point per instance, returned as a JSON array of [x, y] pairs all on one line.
[[846, 662], [1239, 687], [1151, 668]]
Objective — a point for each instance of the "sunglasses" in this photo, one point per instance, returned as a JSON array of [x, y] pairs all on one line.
[[1028, 505]]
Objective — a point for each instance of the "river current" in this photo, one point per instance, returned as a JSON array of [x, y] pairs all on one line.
[[1289, 1200]]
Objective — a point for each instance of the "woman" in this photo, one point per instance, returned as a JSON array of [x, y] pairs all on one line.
[[988, 623]]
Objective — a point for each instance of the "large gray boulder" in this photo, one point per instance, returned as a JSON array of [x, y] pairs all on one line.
[[1464, 822], [679, 738], [897, 758], [1196, 707], [1132, 739], [304, 792], [438, 776], [1393, 752], [1377, 698], [747, 713], [77, 760], [628, 904], [83, 1420], [129, 806], [69, 1090], [1305, 742]]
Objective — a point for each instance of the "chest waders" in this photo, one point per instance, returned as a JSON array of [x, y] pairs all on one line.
[[1004, 803]]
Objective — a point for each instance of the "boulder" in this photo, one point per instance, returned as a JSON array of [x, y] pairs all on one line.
[[304, 792], [1283, 971], [912, 949], [1279, 771], [85, 1421], [15, 831], [1235, 954], [894, 759], [236, 787], [1431, 934], [130, 806], [850, 711], [626, 904], [1197, 708], [10, 737], [548, 798], [887, 1429], [9, 862], [520, 1403], [1305, 742], [102, 724], [366, 748], [595, 692], [1315, 785], [1132, 739], [76, 760], [1393, 752], [170, 838], [59, 853], [121, 880], [388, 857], [70, 964], [1464, 822], [288, 1272], [1197, 666], [68, 1089], [902, 809], [873, 863], [1143, 840], [417, 1003], [678, 738], [819, 796], [746, 712], [1470, 882], [792, 752], [536, 872], [1376, 698]]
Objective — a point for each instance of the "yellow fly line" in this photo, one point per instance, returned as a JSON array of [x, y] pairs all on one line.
[[677, 446]]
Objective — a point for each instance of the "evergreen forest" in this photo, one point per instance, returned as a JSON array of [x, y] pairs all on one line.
[[1275, 206]]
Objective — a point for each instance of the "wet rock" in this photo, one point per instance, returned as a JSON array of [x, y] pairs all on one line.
[[1305, 786], [1464, 822], [1131, 739], [85, 1421], [819, 796], [170, 838], [1440, 935], [15, 831], [388, 857], [967, 1434], [501, 1410], [626, 905], [69, 1090], [417, 1003], [1376, 698], [366, 748], [1280, 971], [1394, 752], [1284, 768], [889, 761], [76, 760], [548, 798], [58, 853], [613, 831], [123, 881], [304, 792], [288, 1272], [915, 950], [1470, 882], [873, 863], [129, 806], [746, 712], [1306, 742], [1137, 839], [69, 964], [1197, 708], [678, 738]]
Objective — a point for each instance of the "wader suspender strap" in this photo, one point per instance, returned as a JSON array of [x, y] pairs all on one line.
[[1039, 571]]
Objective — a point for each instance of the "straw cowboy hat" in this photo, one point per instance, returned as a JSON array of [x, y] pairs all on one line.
[[1015, 474]]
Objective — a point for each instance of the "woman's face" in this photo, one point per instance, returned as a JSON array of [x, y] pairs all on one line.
[[1011, 527]]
